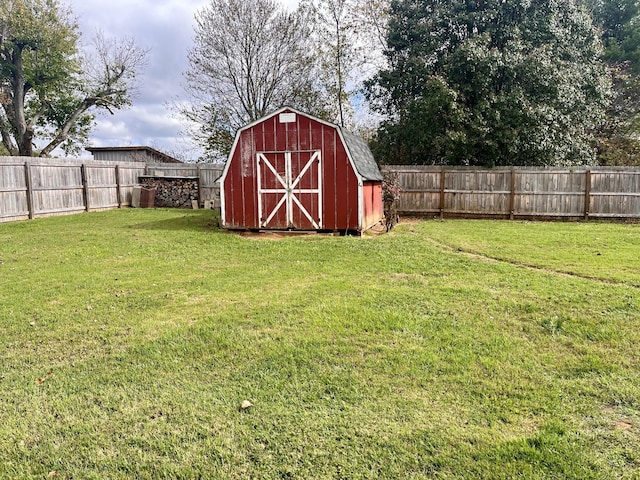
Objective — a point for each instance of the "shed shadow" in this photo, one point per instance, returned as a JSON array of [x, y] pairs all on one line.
[[191, 220]]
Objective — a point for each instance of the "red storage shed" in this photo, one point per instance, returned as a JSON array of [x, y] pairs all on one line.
[[292, 171]]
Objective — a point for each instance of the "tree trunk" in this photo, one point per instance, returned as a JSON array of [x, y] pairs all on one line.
[[339, 65], [23, 132], [64, 131]]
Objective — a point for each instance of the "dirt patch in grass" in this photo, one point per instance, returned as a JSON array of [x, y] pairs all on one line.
[[624, 425]]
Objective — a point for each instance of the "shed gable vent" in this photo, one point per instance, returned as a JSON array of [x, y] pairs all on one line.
[[287, 117]]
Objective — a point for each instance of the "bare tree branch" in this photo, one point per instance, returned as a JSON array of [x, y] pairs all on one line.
[[110, 82], [248, 58]]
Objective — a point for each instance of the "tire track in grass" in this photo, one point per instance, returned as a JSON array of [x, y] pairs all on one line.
[[529, 266]]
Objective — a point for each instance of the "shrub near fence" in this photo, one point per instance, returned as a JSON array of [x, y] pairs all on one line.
[[596, 192], [34, 187]]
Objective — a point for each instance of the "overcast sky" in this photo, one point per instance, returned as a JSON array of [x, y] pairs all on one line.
[[165, 27]]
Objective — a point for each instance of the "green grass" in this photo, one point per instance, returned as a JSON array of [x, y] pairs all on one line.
[[606, 251], [461, 349]]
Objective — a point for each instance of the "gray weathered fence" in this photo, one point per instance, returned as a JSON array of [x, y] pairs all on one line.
[[34, 187], [596, 192]]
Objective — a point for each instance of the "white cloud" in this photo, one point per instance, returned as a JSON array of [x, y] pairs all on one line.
[[165, 27]]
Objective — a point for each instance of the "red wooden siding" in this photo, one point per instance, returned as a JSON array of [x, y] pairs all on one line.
[[373, 207], [269, 154]]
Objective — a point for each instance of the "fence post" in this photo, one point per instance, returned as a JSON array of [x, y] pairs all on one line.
[[29, 185], [587, 193], [118, 192], [199, 173], [512, 195], [85, 192], [442, 179]]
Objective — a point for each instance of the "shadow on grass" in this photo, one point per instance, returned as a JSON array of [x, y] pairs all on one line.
[[187, 220]]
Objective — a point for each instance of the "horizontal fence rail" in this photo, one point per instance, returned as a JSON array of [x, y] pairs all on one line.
[[519, 193], [34, 187]]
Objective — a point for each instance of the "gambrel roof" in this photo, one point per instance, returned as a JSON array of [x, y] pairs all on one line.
[[361, 155], [357, 148]]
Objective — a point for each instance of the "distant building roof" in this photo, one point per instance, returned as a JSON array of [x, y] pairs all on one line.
[[132, 154]]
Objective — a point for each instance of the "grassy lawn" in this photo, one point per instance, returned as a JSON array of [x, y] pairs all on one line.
[[457, 349]]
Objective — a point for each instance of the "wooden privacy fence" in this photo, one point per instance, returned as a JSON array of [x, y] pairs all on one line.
[[33, 187], [596, 192]]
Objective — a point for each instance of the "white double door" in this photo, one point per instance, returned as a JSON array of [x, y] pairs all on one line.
[[290, 190]]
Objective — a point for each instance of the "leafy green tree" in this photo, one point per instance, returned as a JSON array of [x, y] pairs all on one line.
[[47, 86], [489, 83], [619, 24]]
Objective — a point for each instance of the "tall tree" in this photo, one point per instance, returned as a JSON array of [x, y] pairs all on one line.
[[47, 86], [337, 52], [248, 58], [619, 24], [372, 19], [489, 83]]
